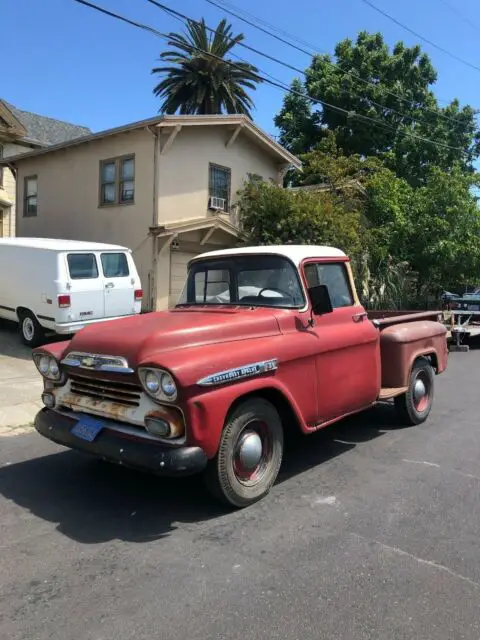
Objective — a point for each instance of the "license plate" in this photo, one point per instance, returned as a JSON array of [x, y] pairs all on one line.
[[87, 429]]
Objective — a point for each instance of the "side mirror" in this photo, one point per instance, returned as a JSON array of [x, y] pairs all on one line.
[[320, 298]]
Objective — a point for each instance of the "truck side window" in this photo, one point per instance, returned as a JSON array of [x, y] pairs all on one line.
[[82, 266], [334, 275]]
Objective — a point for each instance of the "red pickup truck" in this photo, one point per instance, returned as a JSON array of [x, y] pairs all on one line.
[[263, 340]]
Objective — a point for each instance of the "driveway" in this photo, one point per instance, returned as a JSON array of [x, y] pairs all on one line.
[[20, 383], [370, 533]]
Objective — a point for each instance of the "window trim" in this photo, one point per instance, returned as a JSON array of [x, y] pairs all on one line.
[[117, 161], [26, 214], [338, 261], [1, 166], [213, 165]]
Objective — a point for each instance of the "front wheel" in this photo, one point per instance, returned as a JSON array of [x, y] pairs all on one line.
[[416, 403], [249, 455]]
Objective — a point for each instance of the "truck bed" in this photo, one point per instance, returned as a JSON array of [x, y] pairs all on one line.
[[387, 318]]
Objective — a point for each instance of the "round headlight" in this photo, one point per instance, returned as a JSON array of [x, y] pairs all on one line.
[[44, 365], [53, 369], [169, 387], [152, 382]]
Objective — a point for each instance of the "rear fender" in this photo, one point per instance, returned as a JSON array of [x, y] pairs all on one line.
[[401, 345]]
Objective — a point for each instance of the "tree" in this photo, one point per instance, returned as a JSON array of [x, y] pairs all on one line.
[[197, 83], [295, 120], [272, 215], [369, 82]]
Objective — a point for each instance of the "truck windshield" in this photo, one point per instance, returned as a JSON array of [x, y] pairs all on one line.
[[263, 281]]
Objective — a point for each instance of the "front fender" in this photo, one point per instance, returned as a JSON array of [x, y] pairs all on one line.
[[207, 413]]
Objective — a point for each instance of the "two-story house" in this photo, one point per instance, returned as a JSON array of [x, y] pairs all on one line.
[[21, 132], [164, 187]]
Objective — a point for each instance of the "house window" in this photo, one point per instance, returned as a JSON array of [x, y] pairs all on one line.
[[334, 275], [117, 181], [1, 167], [30, 197], [219, 186]]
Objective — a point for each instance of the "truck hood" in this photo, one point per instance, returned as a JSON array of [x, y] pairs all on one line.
[[143, 337]]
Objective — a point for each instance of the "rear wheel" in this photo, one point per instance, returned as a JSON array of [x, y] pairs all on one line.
[[414, 406], [31, 332], [249, 455]]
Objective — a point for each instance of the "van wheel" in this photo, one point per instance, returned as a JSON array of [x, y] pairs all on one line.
[[414, 406], [249, 455], [31, 332]]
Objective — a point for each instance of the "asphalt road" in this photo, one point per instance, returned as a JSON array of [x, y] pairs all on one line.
[[372, 532]]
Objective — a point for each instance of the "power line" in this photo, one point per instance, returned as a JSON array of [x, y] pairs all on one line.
[[183, 18], [460, 15], [261, 78], [255, 22], [418, 35]]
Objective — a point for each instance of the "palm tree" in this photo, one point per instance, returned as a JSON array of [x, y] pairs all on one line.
[[199, 83]]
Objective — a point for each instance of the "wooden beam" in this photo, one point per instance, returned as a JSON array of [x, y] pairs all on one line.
[[208, 234], [234, 136], [171, 139], [168, 243]]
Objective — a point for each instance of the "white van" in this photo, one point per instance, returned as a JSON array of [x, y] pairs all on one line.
[[59, 286]]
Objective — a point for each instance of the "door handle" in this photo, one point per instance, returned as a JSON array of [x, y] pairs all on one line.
[[109, 285], [359, 317]]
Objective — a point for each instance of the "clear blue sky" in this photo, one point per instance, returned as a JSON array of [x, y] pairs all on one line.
[[67, 61]]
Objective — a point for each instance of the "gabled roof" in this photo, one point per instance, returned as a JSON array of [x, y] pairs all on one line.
[[238, 124], [43, 131]]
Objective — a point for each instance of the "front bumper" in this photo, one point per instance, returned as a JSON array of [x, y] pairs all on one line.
[[137, 453]]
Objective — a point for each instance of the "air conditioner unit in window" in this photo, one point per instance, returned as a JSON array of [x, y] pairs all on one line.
[[217, 204]]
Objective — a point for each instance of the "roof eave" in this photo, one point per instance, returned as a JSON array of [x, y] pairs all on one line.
[[166, 121]]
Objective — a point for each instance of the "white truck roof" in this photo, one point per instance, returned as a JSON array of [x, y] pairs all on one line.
[[294, 252], [53, 244]]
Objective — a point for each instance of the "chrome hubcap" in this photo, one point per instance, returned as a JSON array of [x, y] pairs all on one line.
[[28, 328], [250, 450], [419, 390]]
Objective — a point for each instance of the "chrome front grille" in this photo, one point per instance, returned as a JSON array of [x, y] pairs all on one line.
[[125, 393]]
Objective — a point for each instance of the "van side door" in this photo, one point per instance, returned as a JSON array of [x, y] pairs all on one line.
[[348, 353], [120, 282]]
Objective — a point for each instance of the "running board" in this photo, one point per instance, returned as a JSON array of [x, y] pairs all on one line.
[[391, 392]]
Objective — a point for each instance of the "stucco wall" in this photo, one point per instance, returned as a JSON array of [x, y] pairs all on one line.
[[184, 169], [10, 149], [68, 197]]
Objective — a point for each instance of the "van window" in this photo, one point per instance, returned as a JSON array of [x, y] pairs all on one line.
[[114, 265], [82, 266]]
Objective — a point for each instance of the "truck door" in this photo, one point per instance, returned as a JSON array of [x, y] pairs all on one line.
[[85, 288], [347, 352], [119, 284]]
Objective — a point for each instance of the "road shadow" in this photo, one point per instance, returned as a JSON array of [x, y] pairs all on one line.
[[91, 501], [306, 452], [11, 345]]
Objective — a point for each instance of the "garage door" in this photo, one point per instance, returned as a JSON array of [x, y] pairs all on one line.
[[178, 273]]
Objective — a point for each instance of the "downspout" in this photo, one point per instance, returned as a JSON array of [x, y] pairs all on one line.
[[156, 165], [15, 175]]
